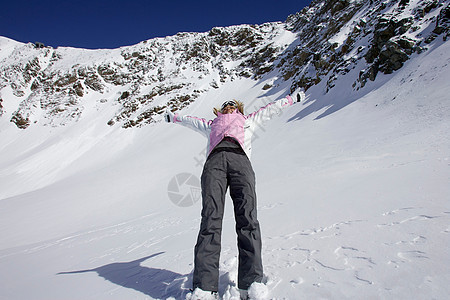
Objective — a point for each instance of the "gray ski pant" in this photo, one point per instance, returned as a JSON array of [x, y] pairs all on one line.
[[228, 167]]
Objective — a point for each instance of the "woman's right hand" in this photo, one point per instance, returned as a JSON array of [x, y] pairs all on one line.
[[168, 116]]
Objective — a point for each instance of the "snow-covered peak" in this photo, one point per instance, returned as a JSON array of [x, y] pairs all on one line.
[[329, 39]]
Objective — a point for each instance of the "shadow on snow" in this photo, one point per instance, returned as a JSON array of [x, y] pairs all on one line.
[[156, 283]]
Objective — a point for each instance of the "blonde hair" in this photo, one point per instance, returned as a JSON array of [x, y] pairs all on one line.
[[239, 106]]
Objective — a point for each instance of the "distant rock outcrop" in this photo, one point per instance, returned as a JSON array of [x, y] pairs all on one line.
[[319, 44]]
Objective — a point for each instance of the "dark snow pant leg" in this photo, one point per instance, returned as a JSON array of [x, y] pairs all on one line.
[[207, 249], [241, 179]]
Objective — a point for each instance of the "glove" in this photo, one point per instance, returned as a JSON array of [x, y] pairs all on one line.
[[301, 96], [169, 116]]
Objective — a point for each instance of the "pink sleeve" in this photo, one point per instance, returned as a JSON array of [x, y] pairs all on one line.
[[290, 100]]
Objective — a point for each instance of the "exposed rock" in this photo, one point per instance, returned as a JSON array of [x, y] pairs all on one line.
[[394, 54], [124, 95], [20, 121], [112, 75], [267, 86], [78, 88], [93, 82], [39, 45], [443, 22], [385, 29], [66, 80], [333, 37]]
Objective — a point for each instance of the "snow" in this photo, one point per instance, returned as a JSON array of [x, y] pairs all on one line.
[[7, 46], [258, 291], [353, 196]]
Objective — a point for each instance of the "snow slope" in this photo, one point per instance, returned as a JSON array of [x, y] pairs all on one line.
[[353, 187]]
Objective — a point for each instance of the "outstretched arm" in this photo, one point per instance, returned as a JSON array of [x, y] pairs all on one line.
[[200, 125], [270, 110]]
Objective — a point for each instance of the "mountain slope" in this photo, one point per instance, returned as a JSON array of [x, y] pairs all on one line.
[[351, 204], [325, 41]]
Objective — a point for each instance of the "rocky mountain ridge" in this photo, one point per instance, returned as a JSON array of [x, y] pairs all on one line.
[[326, 40]]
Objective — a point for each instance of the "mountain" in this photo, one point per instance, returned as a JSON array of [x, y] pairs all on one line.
[[325, 41], [352, 183]]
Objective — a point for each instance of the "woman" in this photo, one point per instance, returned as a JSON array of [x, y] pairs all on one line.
[[229, 148]]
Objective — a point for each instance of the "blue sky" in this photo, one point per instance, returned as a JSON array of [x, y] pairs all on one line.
[[113, 23]]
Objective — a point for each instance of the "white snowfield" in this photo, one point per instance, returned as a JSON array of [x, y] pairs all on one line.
[[353, 197]]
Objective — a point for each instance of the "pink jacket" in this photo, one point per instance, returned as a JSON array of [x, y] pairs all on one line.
[[235, 125]]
